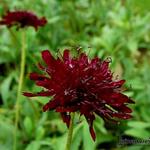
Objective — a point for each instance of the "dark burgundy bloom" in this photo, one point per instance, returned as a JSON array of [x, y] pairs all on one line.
[[22, 19], [81, 85]]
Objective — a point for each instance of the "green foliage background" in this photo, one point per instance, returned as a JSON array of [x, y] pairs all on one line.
[[116, 28]]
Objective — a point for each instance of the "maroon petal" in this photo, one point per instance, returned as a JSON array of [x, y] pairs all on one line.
[[67, 109], [66, 55], [117, 84], [50, 105], [48, 58], [90, 118], [40, 66], [117, 99], [83, 59], [42, 93], [123, 108], [36, 76], [92, 133], [95, 61], [121, 115]]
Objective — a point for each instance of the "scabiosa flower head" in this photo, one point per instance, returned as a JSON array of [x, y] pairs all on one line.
[[81, 85], [22, 19]]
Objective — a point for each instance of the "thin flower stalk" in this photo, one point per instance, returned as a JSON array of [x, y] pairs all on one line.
[[21, 78]]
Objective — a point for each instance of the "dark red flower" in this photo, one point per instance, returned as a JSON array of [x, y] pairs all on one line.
[[22, 19], [81, 85]]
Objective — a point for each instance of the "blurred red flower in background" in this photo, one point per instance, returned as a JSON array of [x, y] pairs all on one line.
[[22, 19], [81, 85]]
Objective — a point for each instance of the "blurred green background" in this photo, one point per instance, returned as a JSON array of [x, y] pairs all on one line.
[[116, 28]]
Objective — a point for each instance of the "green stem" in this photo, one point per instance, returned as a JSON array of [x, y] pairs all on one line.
[[22, 68], [70, 132]]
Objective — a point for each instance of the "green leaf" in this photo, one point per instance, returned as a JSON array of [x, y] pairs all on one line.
[[139, 133], [34, 145], [99, 125], [77, 137], [141, 5], [28, 125], [134, 147], [88, 143], [138, 124], [132, 45], [59, 124], [5, 88], [145, 112], [39, 132], [6, 133], [59, 143]]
